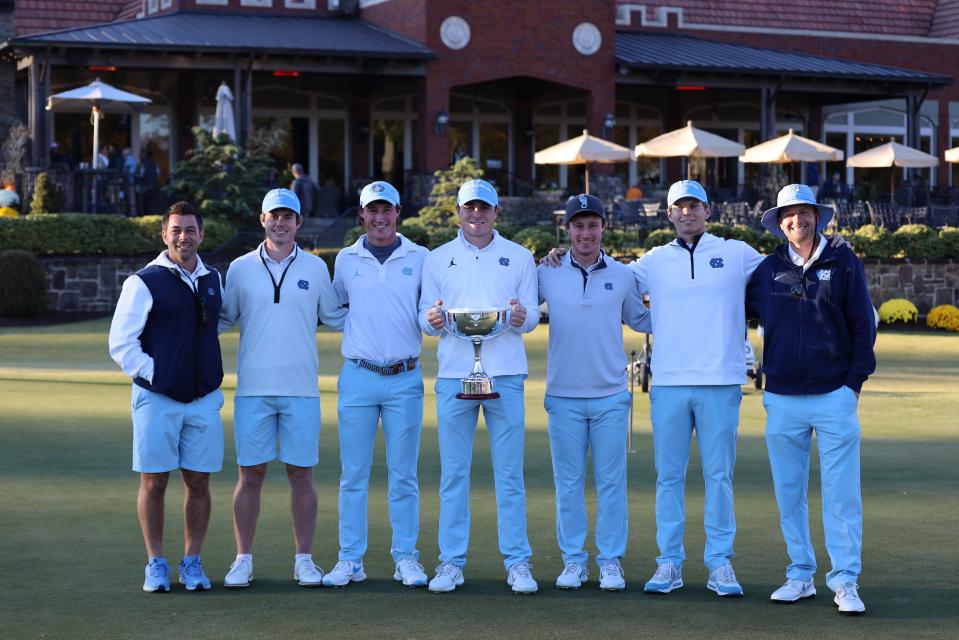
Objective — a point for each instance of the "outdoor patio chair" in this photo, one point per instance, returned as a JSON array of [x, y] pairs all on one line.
[[884, 214], [943, 215], [914, 215]]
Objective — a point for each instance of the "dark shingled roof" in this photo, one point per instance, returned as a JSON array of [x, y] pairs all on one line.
[[676, 52], [225, 32]]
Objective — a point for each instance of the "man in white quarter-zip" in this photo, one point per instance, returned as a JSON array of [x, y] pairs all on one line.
[[480, 269], [378, 277], [276, 293], [587, 403]]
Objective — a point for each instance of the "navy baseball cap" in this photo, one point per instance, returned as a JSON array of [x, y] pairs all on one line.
[[280, 199], [584, 203]]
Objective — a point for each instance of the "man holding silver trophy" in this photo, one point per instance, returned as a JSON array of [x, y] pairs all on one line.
[[589, 296], [475, 293]]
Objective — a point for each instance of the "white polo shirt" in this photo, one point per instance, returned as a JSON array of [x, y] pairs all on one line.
[[382, 323], [697, 308], [463, 275], [277, 354], [586, 357]]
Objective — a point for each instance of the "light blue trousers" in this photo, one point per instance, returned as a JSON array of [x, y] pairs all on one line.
[[713, 412], [506, 421], [790, 422], [577, 425], [365, 398]]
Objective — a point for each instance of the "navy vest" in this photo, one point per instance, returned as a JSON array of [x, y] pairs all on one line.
[[181, 334]]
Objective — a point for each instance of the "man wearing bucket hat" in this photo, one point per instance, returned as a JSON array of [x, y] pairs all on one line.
[[276, 293], [589, 297], [481, 269], [819, 332], [378, 277]]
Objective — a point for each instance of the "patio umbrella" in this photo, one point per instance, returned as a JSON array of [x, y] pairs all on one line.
[[892, 154], [99, 97], [689, 142], [952, 155], [223, 121], [791, 148], [583, 150]]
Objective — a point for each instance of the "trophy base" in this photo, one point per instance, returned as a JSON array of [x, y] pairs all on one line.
[[477, 396]]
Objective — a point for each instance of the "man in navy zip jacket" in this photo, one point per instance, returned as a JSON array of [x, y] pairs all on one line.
[[164, 336], [819, 332]]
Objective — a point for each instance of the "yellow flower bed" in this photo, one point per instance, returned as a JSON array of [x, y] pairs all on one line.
[[945, 316], [898, 310], [8, 212]]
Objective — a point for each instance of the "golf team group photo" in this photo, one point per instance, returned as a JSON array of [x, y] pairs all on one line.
[[479, 293]]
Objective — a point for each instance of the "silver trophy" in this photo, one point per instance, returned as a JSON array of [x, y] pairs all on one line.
[[477, 326]]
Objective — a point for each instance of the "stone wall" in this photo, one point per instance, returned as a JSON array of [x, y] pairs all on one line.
[[93, 284]]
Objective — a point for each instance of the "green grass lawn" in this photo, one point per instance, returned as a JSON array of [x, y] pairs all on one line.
[[71, 555]]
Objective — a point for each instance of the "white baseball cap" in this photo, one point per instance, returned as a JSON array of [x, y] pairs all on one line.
[[280, 199], [795, 194], [379, 190], [686, 189], [477, 190]]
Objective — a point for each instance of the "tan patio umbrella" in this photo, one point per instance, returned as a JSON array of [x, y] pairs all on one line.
[[791, 148], [952, 155], [689, 142], [583, 150], [892, 154]]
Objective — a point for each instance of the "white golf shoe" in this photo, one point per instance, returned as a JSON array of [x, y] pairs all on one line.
[[448, 577], [307, 574], [611, 577], [345, 572], [520, 578], [848, 601], [240, 574], [794, 590], [410, 573], [573, 576]]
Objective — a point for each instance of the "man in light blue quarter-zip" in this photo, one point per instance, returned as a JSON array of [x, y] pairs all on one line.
[[378, 277], [589, 297]]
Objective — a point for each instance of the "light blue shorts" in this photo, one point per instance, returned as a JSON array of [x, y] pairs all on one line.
[[168, 434], [261, 423]]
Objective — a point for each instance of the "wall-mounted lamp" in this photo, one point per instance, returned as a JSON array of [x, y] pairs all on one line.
[[442, 119], [609, 121]]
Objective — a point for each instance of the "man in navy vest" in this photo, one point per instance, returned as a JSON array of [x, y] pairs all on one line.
[[164, 336]]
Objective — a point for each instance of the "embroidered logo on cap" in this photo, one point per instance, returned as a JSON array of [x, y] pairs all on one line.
[[609, 286], [583, 202], [377, 188], [504, 262], [716, 263], [303, 284], [824, 275]]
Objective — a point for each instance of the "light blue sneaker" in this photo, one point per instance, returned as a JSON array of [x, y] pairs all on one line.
[[723, 581], [667, 578], [156, 576], [192, 576]]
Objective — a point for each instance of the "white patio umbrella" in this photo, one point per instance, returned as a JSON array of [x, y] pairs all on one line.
[[952, 155], [583, 150], [99, 97], [689, 142], [223, 120], [791, 148], [892, 154]]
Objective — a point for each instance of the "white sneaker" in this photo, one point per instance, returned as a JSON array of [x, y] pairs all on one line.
[[667, 578], [240, 574], [794, 590], [847, 599], [345, 572], [448, 577], [520, 577], [611, 576], [410, 573], [307, 574], [723, 581], [573, 576]]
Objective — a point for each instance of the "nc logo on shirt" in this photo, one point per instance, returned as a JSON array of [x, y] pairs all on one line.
[[407, 271], [824, 275], [716, 263], [504, 262], [609, 286], [210, 292], [303, 284]]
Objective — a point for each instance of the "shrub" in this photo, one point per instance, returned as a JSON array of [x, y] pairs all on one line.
[[352, 235], [441, 211], [415, 233], [870, 241], [658, 237], [47, 195], [944, 316], [8, 212], [328, 256], [73, 234], [538, 241], [897, 310], [441, 236], [215, 232], [23, 285], [918, 241], [949, 236]]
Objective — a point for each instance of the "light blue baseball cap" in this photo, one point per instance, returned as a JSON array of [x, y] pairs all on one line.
[[280, 199], [686, 189], [477, 190], [379, 190], [795, 194]]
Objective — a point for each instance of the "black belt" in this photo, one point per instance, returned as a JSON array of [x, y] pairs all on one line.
[[387, 369]]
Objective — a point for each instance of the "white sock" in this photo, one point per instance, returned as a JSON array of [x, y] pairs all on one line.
[[245, 556], [303, 556]]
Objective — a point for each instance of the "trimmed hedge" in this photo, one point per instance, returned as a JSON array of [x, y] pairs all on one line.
[[23, 285], [90, 234]]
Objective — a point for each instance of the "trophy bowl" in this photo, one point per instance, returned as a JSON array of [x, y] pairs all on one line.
[[477, 326]]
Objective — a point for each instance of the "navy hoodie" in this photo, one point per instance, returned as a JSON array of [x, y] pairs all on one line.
[[819, 327]]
